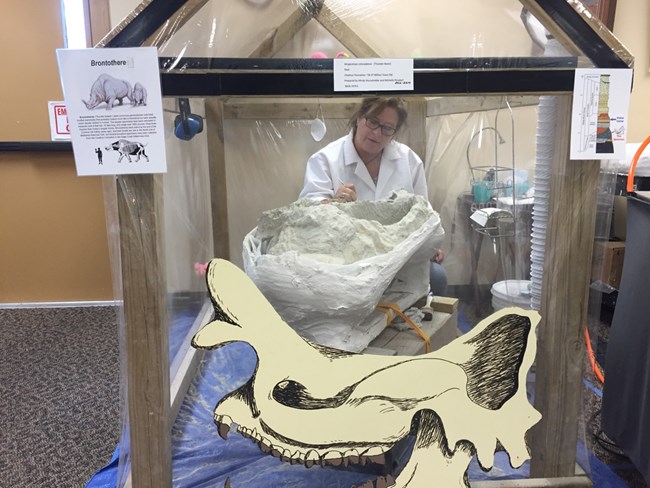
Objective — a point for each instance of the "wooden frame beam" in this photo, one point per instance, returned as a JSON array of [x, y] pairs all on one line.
[[282, 34], [346, 36], [217, 164], [458, 104], [139, 201], [565, 289]]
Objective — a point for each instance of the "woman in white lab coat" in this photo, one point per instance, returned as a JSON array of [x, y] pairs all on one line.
[[368, 164]]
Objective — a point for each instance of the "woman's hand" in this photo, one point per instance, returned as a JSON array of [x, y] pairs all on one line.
[[346, 193]]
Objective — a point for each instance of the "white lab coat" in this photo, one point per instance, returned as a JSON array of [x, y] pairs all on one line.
[[338, 163]]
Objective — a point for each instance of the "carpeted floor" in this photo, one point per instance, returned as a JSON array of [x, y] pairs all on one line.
[[59, 395]]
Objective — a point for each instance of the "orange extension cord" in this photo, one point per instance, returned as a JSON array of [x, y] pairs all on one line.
[[635, 160], [592, 358], [630, 189]]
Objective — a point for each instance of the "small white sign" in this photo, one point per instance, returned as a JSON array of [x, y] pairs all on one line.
[[114, 107], [374, 74], [599, 120], [59, 129]]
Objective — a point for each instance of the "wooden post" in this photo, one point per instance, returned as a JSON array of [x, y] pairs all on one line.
[[415, 132], [217, 165], [139, 200], [565, 287]]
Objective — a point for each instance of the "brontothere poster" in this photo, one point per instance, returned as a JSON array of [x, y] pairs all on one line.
[[114, 105]]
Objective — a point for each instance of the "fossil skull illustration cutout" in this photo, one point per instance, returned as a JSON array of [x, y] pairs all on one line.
[[313, 405]]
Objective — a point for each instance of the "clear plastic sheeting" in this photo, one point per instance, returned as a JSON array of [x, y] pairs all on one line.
[[411, 32], [482, 167], [468, 140], [348, 28], [265, 161], [187, 241]]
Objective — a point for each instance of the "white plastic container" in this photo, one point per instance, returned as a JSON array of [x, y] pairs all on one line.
[[511, 293]]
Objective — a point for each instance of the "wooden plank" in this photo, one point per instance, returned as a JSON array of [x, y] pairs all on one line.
[[458, 105], [282, 34], [336, 108], [346, 36], [441, 329], [384, 338], [379, 351], [565, 288], [139, 200], [414, 134], [290, 109], [187, 366], [218, 182]]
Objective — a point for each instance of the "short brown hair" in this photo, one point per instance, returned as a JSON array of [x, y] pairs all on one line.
[[373, 106]]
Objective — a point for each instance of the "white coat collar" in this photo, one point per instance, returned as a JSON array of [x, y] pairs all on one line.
[[388, 165]]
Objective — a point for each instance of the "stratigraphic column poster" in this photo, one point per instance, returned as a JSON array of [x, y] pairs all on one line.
[[600, 110]]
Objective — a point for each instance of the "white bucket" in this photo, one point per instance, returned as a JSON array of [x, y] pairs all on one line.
[[511, 293]]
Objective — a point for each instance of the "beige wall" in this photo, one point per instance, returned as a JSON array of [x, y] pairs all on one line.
[[53, 243], [632, 27]]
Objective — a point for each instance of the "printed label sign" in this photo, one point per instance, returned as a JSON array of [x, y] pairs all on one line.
[[374, 74], [114, 107], [59, 128], [599, 118]]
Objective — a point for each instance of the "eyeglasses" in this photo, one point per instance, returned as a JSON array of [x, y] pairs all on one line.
[[387, 130]]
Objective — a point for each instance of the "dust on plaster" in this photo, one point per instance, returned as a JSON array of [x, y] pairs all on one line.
[[342, 233]]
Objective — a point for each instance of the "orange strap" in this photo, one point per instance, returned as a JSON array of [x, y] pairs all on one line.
[[389, 308]]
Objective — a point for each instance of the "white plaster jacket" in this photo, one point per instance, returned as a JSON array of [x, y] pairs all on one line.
[[338, 163]]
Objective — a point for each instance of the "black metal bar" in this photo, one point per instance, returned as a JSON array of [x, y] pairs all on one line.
[[36, 146], [582, 34], [146, 23], [322, 84], [308, 64]]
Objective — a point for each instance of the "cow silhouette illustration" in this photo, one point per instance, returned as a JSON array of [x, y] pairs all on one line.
[[128, 149]]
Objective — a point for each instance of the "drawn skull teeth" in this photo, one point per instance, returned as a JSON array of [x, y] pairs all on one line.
[[312, 457], [223, 425], [309, 458]]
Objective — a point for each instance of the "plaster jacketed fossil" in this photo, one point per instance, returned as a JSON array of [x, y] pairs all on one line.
[[324, 268], [311, 404]]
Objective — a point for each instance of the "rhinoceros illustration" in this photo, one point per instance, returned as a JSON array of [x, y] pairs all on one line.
[[107, 89], [139, 95]]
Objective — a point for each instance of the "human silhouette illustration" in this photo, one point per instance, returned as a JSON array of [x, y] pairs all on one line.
[[98, 151]]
